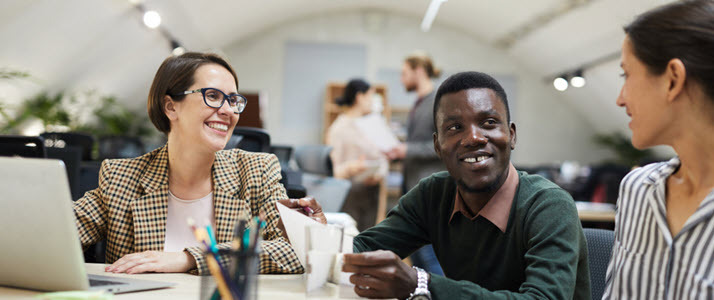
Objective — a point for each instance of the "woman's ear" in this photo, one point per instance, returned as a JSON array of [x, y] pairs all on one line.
[[676, 76], [170, 108]]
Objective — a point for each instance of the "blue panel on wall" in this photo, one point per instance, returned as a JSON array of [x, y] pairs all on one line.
[[308, 68]]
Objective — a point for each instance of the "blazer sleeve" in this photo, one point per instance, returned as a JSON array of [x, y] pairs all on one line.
[[90, 211], [278, 255]]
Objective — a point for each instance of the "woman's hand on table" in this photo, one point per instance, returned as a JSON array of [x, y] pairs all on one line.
[[153, 261]]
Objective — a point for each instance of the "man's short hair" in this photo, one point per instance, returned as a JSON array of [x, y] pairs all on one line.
[[470, 80]]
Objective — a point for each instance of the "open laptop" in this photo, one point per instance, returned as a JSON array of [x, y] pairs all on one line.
[[40, 244]]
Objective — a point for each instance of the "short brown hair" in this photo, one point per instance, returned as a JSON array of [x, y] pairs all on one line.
[[174, 76], [424, 61]]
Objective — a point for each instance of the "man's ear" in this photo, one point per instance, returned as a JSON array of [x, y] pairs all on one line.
[[513, 135], [437, 148], [170, 108], [676, 77], [421, 72]]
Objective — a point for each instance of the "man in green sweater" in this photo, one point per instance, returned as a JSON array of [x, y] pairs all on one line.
[[498, 233]]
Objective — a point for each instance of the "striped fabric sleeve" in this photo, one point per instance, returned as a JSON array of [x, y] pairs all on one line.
[[90, 211], [607, 293]]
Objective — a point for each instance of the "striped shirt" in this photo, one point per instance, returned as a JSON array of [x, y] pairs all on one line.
[[647, 262]]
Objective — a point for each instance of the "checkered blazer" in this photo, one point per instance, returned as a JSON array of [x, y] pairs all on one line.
[[129, 207]]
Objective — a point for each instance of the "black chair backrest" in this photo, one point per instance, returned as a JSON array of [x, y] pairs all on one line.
[[314, 159], [25, 146], [284, 154], [72, 158], [62, 139], [249, 139], [118, 146], [600, 242]]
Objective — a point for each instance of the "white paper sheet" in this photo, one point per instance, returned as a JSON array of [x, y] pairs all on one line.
[[295, 224], [374, 127]]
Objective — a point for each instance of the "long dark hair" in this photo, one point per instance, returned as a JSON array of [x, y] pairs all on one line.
[[353, 87], [683, 30]]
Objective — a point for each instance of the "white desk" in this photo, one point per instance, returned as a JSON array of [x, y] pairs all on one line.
[[595, 212], [270, 287]]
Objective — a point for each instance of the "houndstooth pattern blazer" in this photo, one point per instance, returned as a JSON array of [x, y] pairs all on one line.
[[129, 207]]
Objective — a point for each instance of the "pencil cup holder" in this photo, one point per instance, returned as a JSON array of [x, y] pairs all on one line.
[[233, 275]]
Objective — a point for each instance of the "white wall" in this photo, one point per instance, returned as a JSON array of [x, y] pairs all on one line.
[[549, 130]]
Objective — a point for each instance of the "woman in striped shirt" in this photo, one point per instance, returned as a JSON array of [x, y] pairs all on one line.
[[664, 226]]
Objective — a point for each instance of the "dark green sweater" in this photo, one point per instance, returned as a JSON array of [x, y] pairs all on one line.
[[542, 254]]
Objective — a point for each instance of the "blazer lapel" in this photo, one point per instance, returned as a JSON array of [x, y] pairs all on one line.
[[149, 210], [226, 204]]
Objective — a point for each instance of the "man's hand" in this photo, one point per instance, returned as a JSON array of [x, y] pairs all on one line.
[[398, 152], [153, 261], [380, 274]]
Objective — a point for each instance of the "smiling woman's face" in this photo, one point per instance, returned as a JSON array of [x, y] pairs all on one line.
[[474, 138], [193, 120]]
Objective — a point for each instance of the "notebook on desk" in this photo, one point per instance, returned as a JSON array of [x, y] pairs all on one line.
[[40, 244]]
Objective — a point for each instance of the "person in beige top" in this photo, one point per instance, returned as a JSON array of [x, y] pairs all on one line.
[[354, 156]]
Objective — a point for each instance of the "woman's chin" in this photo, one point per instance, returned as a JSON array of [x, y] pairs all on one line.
[[215, 144]]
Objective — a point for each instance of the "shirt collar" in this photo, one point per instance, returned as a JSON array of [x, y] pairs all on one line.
[[498, 208], [663, 171]]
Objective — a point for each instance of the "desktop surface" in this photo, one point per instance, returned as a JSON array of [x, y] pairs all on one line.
[[270, 287]]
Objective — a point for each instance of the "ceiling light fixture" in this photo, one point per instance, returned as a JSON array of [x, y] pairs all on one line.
[[578, 80], [562, 79], [560, 83], [152, 19], [430, 14], [177, 48]]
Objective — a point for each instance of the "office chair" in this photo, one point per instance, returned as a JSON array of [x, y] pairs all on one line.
[[600, 242], [120, 146], [605, 176], [315, 162], [284, 154], [249, 139], [72, 157], [24, 146], [62, 139], [291, 178], [314, 159]]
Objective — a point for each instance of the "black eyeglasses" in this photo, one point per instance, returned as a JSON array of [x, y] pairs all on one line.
[[214, 98]]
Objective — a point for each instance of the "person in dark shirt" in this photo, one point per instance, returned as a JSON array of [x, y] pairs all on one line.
[[498, 233]]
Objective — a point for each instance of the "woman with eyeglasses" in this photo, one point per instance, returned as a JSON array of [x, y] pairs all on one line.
[[664, 225], [142, 205]]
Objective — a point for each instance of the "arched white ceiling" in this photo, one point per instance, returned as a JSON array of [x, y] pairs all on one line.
[[76, 44]]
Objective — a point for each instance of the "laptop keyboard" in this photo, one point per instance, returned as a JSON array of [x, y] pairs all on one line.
[[96, 282]]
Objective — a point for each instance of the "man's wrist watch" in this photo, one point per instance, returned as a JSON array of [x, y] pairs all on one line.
[[422, 289]]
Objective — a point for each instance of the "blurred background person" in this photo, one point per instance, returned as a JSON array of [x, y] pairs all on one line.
[[354, 156], [420, 159], [418, 154]]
